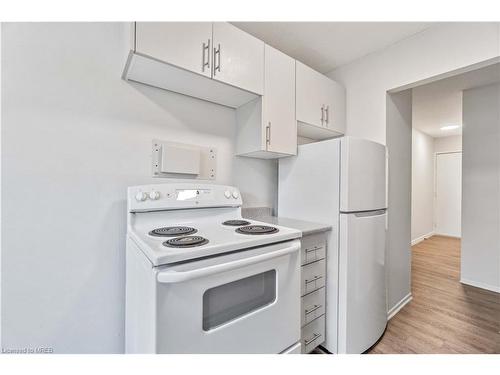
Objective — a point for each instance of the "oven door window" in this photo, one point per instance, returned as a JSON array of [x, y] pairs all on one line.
[[227, 302]]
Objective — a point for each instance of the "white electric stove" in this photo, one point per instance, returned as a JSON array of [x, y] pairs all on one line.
[[201, 279]]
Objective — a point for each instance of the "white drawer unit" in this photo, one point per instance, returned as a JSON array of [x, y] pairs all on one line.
[[313, 277], [313, 280], [313, 248], [313, 306], [313, 334]]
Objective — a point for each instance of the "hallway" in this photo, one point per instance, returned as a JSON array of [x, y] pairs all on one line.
[[444, 316]]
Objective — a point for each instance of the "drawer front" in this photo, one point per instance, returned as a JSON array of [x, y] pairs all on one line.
[[313, 277], [313, 248], [313, 334], [313, 306]]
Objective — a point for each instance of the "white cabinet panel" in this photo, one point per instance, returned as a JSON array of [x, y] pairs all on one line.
[[310, 106], [279, 102], [184, 44], [238, 58], [334, 106], [267, 126]]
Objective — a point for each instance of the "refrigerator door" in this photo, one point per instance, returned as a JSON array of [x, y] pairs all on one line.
[[363, 175], [362, 291]]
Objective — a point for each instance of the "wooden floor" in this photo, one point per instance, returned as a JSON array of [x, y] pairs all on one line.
[[444, 315]]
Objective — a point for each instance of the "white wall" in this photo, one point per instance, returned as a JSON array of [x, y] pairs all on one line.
[[74, 136], [480, 260], [448, 144], [398, 256], [422, 185], [433, 52]]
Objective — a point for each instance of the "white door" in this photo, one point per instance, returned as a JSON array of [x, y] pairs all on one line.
[[362, 292], [448, 203], [238, 58], [183, 44], [362, 175], [279, 102], [310, 91]]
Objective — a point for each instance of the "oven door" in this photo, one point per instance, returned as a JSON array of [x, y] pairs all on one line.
[[244, 302]]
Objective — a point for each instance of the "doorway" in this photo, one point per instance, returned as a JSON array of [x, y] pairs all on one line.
[[451, 218]]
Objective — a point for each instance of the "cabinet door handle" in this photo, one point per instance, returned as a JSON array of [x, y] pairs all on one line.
[[312, 309], [322, 114], [206, 47], [327, 117], [268, 134], [314, 279], [313, 249], [312, 339], [217, 58]]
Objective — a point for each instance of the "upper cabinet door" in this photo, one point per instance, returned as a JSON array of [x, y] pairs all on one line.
[[310, 95], [238, 58], [334, 100], [185, 44], [279, 102]]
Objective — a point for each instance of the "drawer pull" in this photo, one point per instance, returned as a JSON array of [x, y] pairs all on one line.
[[312, 339], [315, 248], [314, 279], [312, 309]]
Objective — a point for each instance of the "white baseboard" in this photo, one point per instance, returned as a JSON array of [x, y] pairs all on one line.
[[421, 238], [477, 284], [395, 309], [447, 235]]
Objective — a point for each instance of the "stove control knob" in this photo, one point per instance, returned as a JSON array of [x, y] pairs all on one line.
[[227, 194], [154, 195], [236, 194], [141, 196]]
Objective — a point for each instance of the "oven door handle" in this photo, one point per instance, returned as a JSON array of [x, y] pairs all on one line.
[[177, 277]]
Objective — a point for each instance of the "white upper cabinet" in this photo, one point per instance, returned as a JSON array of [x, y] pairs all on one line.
[[266, 126], [320, 107], [238, 58], [279, 102], [185, 44], [179, 57], [310, 94]]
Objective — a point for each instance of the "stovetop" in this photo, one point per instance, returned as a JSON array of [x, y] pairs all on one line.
[[198, 238], [178, 222]]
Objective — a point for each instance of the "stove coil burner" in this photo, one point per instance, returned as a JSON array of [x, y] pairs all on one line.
[[236, 223], [172, 231], [186, 241], [257, 229]]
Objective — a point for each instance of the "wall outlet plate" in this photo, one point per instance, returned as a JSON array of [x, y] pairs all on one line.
[[208, 160]]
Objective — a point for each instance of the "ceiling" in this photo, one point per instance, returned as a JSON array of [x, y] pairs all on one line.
[[327, 45], [439, 103]]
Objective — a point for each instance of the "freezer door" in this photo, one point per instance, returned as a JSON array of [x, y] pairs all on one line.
[[363, 175], [362, 290]]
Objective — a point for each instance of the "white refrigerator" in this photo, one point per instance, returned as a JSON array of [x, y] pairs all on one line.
[[343, 182]]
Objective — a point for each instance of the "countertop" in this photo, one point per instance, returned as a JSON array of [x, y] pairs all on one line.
[[306, 227]]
